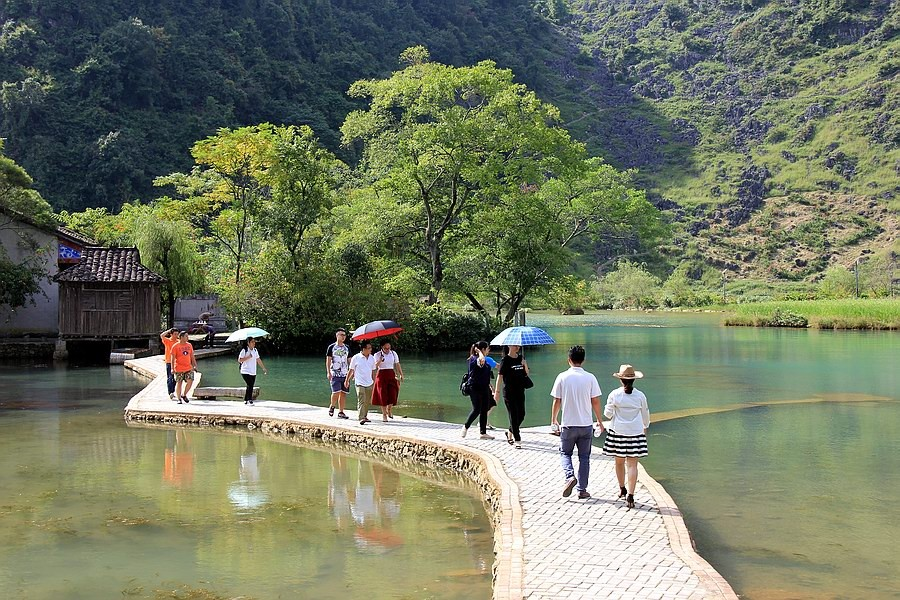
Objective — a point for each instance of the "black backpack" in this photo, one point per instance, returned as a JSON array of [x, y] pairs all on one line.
[[465, 386]]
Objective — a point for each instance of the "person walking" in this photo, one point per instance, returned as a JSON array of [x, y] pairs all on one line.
[[511, 377], [480, 389], [248, 359], [337, 364], [626, 439], [388, 376], [169, 338], [362, 368], [577, 393], [183, 366]]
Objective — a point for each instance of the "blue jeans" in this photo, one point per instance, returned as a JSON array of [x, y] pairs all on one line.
[[170, 379], [569, 438]]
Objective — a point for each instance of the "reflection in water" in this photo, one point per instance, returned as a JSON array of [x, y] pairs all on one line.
[[246, 494], [179, 461]]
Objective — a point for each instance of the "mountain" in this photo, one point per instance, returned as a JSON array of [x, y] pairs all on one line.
[[720, 106]]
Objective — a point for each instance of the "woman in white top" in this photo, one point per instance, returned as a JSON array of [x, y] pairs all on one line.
[[248, 359], [626, 436], [387, 380]]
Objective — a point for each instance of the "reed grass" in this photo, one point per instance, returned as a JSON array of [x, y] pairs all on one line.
[[820, 314]]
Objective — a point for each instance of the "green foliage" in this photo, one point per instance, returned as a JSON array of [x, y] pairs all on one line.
[[570, 294], [823, 314], [432, 327], [838, 282], [19, 283], [629, 286], [167, 247]]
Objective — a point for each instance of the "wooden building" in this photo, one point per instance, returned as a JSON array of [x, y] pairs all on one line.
[[109, 295]]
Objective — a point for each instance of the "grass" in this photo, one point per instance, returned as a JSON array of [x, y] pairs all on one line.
[[821, 314]]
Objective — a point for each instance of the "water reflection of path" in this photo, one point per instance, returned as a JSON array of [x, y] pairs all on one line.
[[246, 494], [836, 398]]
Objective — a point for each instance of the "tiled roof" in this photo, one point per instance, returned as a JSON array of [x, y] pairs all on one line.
[[74, 236], [112, 265]]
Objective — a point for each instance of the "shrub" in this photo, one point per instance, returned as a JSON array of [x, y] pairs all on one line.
[[786, 318], [432, 327]]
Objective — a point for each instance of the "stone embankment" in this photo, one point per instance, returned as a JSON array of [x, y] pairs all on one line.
[[546, 546]]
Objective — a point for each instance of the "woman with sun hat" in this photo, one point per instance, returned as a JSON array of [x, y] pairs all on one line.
[[626, 436]]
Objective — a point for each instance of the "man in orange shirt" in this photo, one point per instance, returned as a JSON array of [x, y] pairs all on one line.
[[183, 365], [169, 338]]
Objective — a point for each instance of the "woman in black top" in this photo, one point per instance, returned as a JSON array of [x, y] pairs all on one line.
[[513, 369], [480, 394]]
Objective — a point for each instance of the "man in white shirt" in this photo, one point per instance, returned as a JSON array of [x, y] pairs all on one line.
[[362, 366], [578, 394]]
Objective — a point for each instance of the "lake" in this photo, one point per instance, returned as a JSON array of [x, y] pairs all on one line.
[[781, 447], [788, 490], [92, 508]]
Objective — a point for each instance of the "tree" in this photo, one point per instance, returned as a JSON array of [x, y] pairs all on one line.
[[439, 141], [222, 194], [302, 178], [168, 248], [630, 285], [525, 242]]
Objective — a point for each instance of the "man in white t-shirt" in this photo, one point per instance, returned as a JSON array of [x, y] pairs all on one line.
[[362, 367], [578, 394]]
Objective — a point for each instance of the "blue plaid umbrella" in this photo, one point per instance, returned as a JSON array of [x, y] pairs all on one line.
[[522, 336]]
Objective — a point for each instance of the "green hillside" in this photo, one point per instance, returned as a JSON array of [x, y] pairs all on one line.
[[717, 105]]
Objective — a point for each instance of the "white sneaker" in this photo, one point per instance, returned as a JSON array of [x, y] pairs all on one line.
[[486, 436], [490, 427], [465, 430]]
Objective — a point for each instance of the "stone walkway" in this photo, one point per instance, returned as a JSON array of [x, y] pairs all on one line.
[[547, 546]]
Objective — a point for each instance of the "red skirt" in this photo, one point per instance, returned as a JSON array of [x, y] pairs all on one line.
[[387, 388]]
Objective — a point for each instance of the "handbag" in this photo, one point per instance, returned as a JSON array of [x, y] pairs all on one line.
[[527, 383], [465, 386]]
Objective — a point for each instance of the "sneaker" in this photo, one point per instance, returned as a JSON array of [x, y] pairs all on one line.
[[491, 427], [518, 445], [570, 485], [172, 396], [251, 402], [185, 398], [246, 402], [486, 436], [341, 415], [465, 430], [583, 495], [330, 411]]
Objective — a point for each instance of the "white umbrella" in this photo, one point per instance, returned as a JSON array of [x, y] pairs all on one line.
[[247, 332], [522, 336]]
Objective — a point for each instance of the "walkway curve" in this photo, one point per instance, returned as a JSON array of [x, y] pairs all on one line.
[[546, 546]]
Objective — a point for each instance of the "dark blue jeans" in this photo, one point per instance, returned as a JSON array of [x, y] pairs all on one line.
[[170, 379], [569, 438]]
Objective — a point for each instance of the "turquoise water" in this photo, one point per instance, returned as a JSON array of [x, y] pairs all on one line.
[[92, 508], [785, 500]]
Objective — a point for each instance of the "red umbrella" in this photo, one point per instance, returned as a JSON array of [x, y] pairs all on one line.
[[376, 329]]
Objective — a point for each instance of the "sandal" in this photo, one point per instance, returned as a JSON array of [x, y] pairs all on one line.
[[509, 438], [630, 501], [330, 411], [622, 492]]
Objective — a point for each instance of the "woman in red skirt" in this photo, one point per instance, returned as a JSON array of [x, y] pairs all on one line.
[[387, 380]]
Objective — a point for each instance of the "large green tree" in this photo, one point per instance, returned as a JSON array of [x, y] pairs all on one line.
[[439, 141]]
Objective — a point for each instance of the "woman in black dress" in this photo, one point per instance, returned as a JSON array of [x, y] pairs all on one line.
[[513, 370]]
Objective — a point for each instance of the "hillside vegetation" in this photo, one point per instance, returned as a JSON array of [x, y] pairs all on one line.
[[741, 117]]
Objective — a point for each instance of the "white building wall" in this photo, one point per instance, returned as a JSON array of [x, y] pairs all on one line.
[[42, 317]]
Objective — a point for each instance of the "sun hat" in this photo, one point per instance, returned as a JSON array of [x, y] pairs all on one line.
[[628, 372]]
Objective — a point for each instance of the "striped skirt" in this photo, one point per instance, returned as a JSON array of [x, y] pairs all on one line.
[[628, 446]]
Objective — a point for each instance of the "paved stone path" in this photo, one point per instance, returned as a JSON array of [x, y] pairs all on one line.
[[550, 546]]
